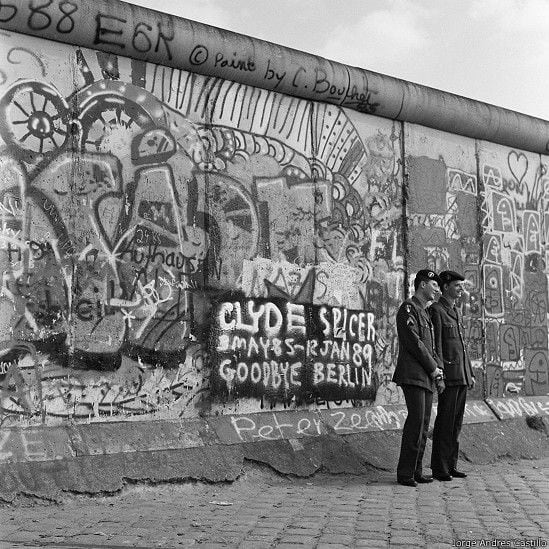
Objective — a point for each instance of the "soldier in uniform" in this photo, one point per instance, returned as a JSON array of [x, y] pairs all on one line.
[[458, 376], [417, 368]]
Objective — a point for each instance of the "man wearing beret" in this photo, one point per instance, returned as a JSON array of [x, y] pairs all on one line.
[[458, 376], [418, 366]]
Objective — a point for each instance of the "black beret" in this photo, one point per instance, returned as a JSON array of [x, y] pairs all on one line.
[[449, 276], [427, 274]]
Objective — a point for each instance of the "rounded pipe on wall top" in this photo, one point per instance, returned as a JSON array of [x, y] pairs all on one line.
[[117, 27]]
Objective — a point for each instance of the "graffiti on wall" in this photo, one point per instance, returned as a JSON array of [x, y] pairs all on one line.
[[287, 351], [443, 231], [514, 199], [165, 39], [135, 197], [489, 228], [130, 194]]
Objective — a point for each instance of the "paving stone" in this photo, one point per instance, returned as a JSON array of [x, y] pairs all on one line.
[[333, 512], [370, 544], [335, 538], [373, 535], [336, 530], [300, 540], [310, 532], [405, 539], [252, 545], [260, 536], [372, 528]]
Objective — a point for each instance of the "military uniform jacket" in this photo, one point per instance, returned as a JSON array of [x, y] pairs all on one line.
[[449, 343], [417, 358]]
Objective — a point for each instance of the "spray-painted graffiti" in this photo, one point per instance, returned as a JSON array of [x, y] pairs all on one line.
[[287, 351], [31, 385], [519, 407], [303, 424], [130, 193], [337, 284], [513, 193], [505, 305], [133, 197], [443, 224]]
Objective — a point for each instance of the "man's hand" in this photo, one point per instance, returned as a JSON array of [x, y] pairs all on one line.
[[438, 377], [439, 382], [473, 381], [438, 372]]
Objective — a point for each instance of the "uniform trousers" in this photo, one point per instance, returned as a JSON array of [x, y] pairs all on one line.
[[450, 410], [419, 402]]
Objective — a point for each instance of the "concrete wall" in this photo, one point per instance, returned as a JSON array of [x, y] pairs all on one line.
[[489, 220], [176, 244]]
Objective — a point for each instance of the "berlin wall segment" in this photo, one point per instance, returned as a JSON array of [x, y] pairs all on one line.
[[123, 29], [118, 28], [54, 443], [129, 212], [175, 245]]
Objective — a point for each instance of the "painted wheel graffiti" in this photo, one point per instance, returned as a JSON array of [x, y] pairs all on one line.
[[35, 119], [110, 113]]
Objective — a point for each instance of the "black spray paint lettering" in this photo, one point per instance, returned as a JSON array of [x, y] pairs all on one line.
[[152, 254], [7, 11], [37, 249], [41, 16], [362, 102], [141, 41], [353, 95], [297, 77], [246, 65], [85, 308], [324, 86], [271, 74], [39, 19], [105, 34], [110, 30], [199, 55]]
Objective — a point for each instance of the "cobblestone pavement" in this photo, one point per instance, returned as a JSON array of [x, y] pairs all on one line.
[[505, 502]]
